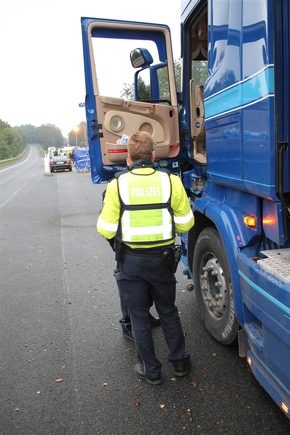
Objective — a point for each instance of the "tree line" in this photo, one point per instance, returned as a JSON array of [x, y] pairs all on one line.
[[14, 139], [11, 141]]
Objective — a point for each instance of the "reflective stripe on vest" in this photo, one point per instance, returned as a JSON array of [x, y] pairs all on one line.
[[146, 215]]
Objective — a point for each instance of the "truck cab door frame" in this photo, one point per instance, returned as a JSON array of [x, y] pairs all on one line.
[[111, 119]]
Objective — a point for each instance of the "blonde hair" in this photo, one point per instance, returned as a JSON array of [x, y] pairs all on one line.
[[140, 146]]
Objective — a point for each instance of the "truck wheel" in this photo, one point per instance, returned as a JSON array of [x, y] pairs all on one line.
[[213, 287]]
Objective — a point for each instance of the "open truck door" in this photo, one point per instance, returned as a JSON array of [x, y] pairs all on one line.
[[130, 86]]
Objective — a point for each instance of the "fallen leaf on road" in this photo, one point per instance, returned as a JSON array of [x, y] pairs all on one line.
[[162, 406], [59, 380], [136, 404], [105, 384], [193, 383]]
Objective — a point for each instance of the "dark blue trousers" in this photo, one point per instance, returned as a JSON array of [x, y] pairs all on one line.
[[141, 279]]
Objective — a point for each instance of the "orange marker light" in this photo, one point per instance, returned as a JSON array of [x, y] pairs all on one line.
[[250, 221], [269, 220], [285, 407]]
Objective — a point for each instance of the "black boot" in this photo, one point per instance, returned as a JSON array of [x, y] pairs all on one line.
[[127, 329]]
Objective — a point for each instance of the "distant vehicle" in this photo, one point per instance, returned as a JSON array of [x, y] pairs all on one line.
[[60, 163]]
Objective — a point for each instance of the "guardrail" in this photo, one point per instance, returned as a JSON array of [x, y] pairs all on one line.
[[14, 158]]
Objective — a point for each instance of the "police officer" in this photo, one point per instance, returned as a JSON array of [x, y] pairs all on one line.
[[143, 209]]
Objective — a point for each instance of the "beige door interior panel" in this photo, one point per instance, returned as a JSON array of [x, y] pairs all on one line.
[[197, 123], [118, 117], [133, 122]]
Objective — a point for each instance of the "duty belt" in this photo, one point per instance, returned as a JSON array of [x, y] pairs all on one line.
[[146, 252]]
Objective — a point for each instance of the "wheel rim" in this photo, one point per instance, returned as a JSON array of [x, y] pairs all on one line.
[[213, 286]]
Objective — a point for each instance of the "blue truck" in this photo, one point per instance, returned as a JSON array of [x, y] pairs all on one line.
[[225, 131]]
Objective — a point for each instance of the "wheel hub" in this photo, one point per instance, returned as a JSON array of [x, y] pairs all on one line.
[[213, 286]]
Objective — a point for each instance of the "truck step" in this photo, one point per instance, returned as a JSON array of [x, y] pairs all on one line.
[[255, 333], [277, 263]]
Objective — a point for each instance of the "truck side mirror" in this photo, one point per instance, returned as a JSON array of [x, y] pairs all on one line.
[[140, 57]]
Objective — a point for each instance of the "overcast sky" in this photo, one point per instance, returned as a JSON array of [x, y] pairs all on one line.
[[41, 73]]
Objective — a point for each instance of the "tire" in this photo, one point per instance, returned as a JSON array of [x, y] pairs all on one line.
[[213, 287]]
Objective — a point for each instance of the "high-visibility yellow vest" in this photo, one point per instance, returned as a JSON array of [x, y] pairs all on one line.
[[109, 219], [146, 215]]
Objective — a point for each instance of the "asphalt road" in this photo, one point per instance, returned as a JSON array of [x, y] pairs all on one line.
[[64, 366]]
